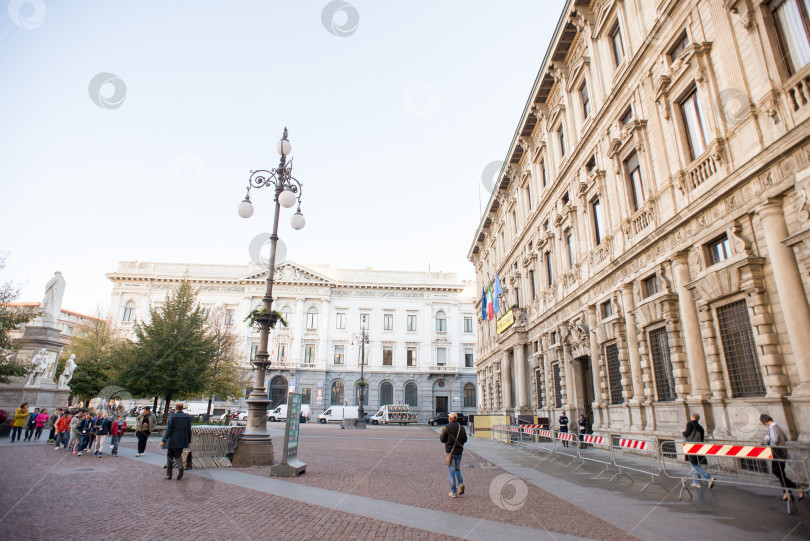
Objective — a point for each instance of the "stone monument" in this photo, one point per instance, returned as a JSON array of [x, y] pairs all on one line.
[[42, 343]]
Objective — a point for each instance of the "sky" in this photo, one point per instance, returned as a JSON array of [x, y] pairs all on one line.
[[128, 130]]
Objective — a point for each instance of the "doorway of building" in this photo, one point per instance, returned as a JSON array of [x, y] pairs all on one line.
[[441, 404], [278, 391], [587, 387]]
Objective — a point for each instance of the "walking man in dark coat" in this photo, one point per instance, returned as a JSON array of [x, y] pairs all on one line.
[[176, 438]]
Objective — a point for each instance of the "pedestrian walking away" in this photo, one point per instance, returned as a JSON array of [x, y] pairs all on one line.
[[695, 433], [17, 425], [118, 429], [564, 427], [176, 438], [776, 439], [454, 437], [30, 424], [102, 430], [39, 423], [143, 427]]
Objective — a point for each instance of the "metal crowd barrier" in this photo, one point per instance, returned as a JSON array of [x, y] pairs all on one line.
[[728, 462], [213, 446]]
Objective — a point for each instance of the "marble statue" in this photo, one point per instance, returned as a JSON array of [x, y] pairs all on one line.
[[40, 363], [51, 304], [66, 376]]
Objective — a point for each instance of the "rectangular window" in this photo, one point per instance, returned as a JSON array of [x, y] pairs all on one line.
[[229, 317], [254, 349], [411, 322], [538, 388], [565, 199], [662, 365], [441, 356], [309, 354], [614, 374], [606, 308], [469, 361], [569, 248], [468, 326], [365, 319], [791, 21], [634, 181], [617, 44], [561, 135], [282, 353], [598, 223], [679, 47], [627, 116], [549, 272], [543, 172], [528, 193], [740, 351], [558, 398], [719, 250], [388, 322], [469, 395], [411, 357], [362, 353], [339, 351], [388, 356], [306, 395], [586, 104], [649, 286], [694, 123], [591, 165], [340, 320], [531, 281], [312, 320]]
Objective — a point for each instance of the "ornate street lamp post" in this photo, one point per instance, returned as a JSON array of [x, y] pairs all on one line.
[[255, 446], [362, 337]]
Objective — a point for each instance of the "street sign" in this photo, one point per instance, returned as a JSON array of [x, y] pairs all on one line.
[[290, 466]]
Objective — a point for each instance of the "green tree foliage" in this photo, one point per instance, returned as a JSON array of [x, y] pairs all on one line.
[[11, 317], [174, 351], [227, 380], [95, 346]]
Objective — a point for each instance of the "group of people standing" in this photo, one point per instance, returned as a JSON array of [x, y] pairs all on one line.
[[32, 423], [85, 430]]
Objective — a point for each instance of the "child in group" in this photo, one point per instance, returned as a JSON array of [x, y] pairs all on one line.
[[39, 423], [62, 430], [30, 424]]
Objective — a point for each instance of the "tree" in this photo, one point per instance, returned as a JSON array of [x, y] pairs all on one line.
[[12, 317], [227, 380], [173, 352], [94, 346]]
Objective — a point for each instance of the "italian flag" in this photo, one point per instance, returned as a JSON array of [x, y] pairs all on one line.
[[490, 309]]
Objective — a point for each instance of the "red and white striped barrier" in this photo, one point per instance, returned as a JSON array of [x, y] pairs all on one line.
[[544, 433], [567, 436], [741, 451], [531, 426], [597, 440], [638, 445]]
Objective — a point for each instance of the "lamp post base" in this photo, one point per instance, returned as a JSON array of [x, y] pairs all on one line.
[[253, 452]]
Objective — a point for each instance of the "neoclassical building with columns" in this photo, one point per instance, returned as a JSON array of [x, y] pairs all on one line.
[[421, 329], [651, 223]]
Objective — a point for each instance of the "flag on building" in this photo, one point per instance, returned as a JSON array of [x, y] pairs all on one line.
[[490, 308], [483, 303], [498, 293]]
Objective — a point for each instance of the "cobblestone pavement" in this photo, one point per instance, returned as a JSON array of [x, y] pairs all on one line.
[[406, 465], [41, 491]]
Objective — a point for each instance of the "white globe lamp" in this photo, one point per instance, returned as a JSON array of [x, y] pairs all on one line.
[[245, 208], [284, 147], [297, 221], [286, 198]]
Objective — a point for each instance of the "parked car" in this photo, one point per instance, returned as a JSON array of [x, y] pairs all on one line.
[[443, 418]]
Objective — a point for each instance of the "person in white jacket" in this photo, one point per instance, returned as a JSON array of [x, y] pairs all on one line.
[[776, 439]]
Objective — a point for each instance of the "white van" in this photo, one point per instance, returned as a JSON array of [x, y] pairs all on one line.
[[280, 413], [336, 414]]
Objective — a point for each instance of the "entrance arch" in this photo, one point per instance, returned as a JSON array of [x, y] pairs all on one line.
[[278, 391]]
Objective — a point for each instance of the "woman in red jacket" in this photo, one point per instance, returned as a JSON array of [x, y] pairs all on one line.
[[118, 429], [63, 430]]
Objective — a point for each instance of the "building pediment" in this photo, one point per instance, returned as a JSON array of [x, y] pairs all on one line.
[[291, 272]]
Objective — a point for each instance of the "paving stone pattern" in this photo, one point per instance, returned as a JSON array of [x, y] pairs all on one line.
[[46, 494], [406, 465]]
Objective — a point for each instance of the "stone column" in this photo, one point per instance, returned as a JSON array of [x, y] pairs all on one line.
[[294, 356], [632, 344], [520, 377], [506, 383], [547, 383], [695, 356], [789, 288], [568, 367], [595, 368]]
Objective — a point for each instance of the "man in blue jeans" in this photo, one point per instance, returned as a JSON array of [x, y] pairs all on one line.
[[453, 437]]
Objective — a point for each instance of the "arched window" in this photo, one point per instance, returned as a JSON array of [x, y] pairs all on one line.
[[441, 321], [386, 393], [337, 393], [286, 313], [129, 311], [469, 395], [312, 319], [278, 391], [411, 394], [357, 388]]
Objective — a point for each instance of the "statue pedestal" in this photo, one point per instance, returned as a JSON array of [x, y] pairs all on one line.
[[44, 393]]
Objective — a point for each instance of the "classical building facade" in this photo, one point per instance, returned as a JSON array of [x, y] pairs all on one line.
[[421, 329], [652, 224]]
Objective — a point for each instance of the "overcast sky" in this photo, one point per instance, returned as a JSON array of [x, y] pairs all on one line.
[[394, 109]]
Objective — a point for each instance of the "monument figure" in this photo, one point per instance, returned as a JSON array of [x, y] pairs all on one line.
[[40, 362], [66, 376], [51, 305]]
